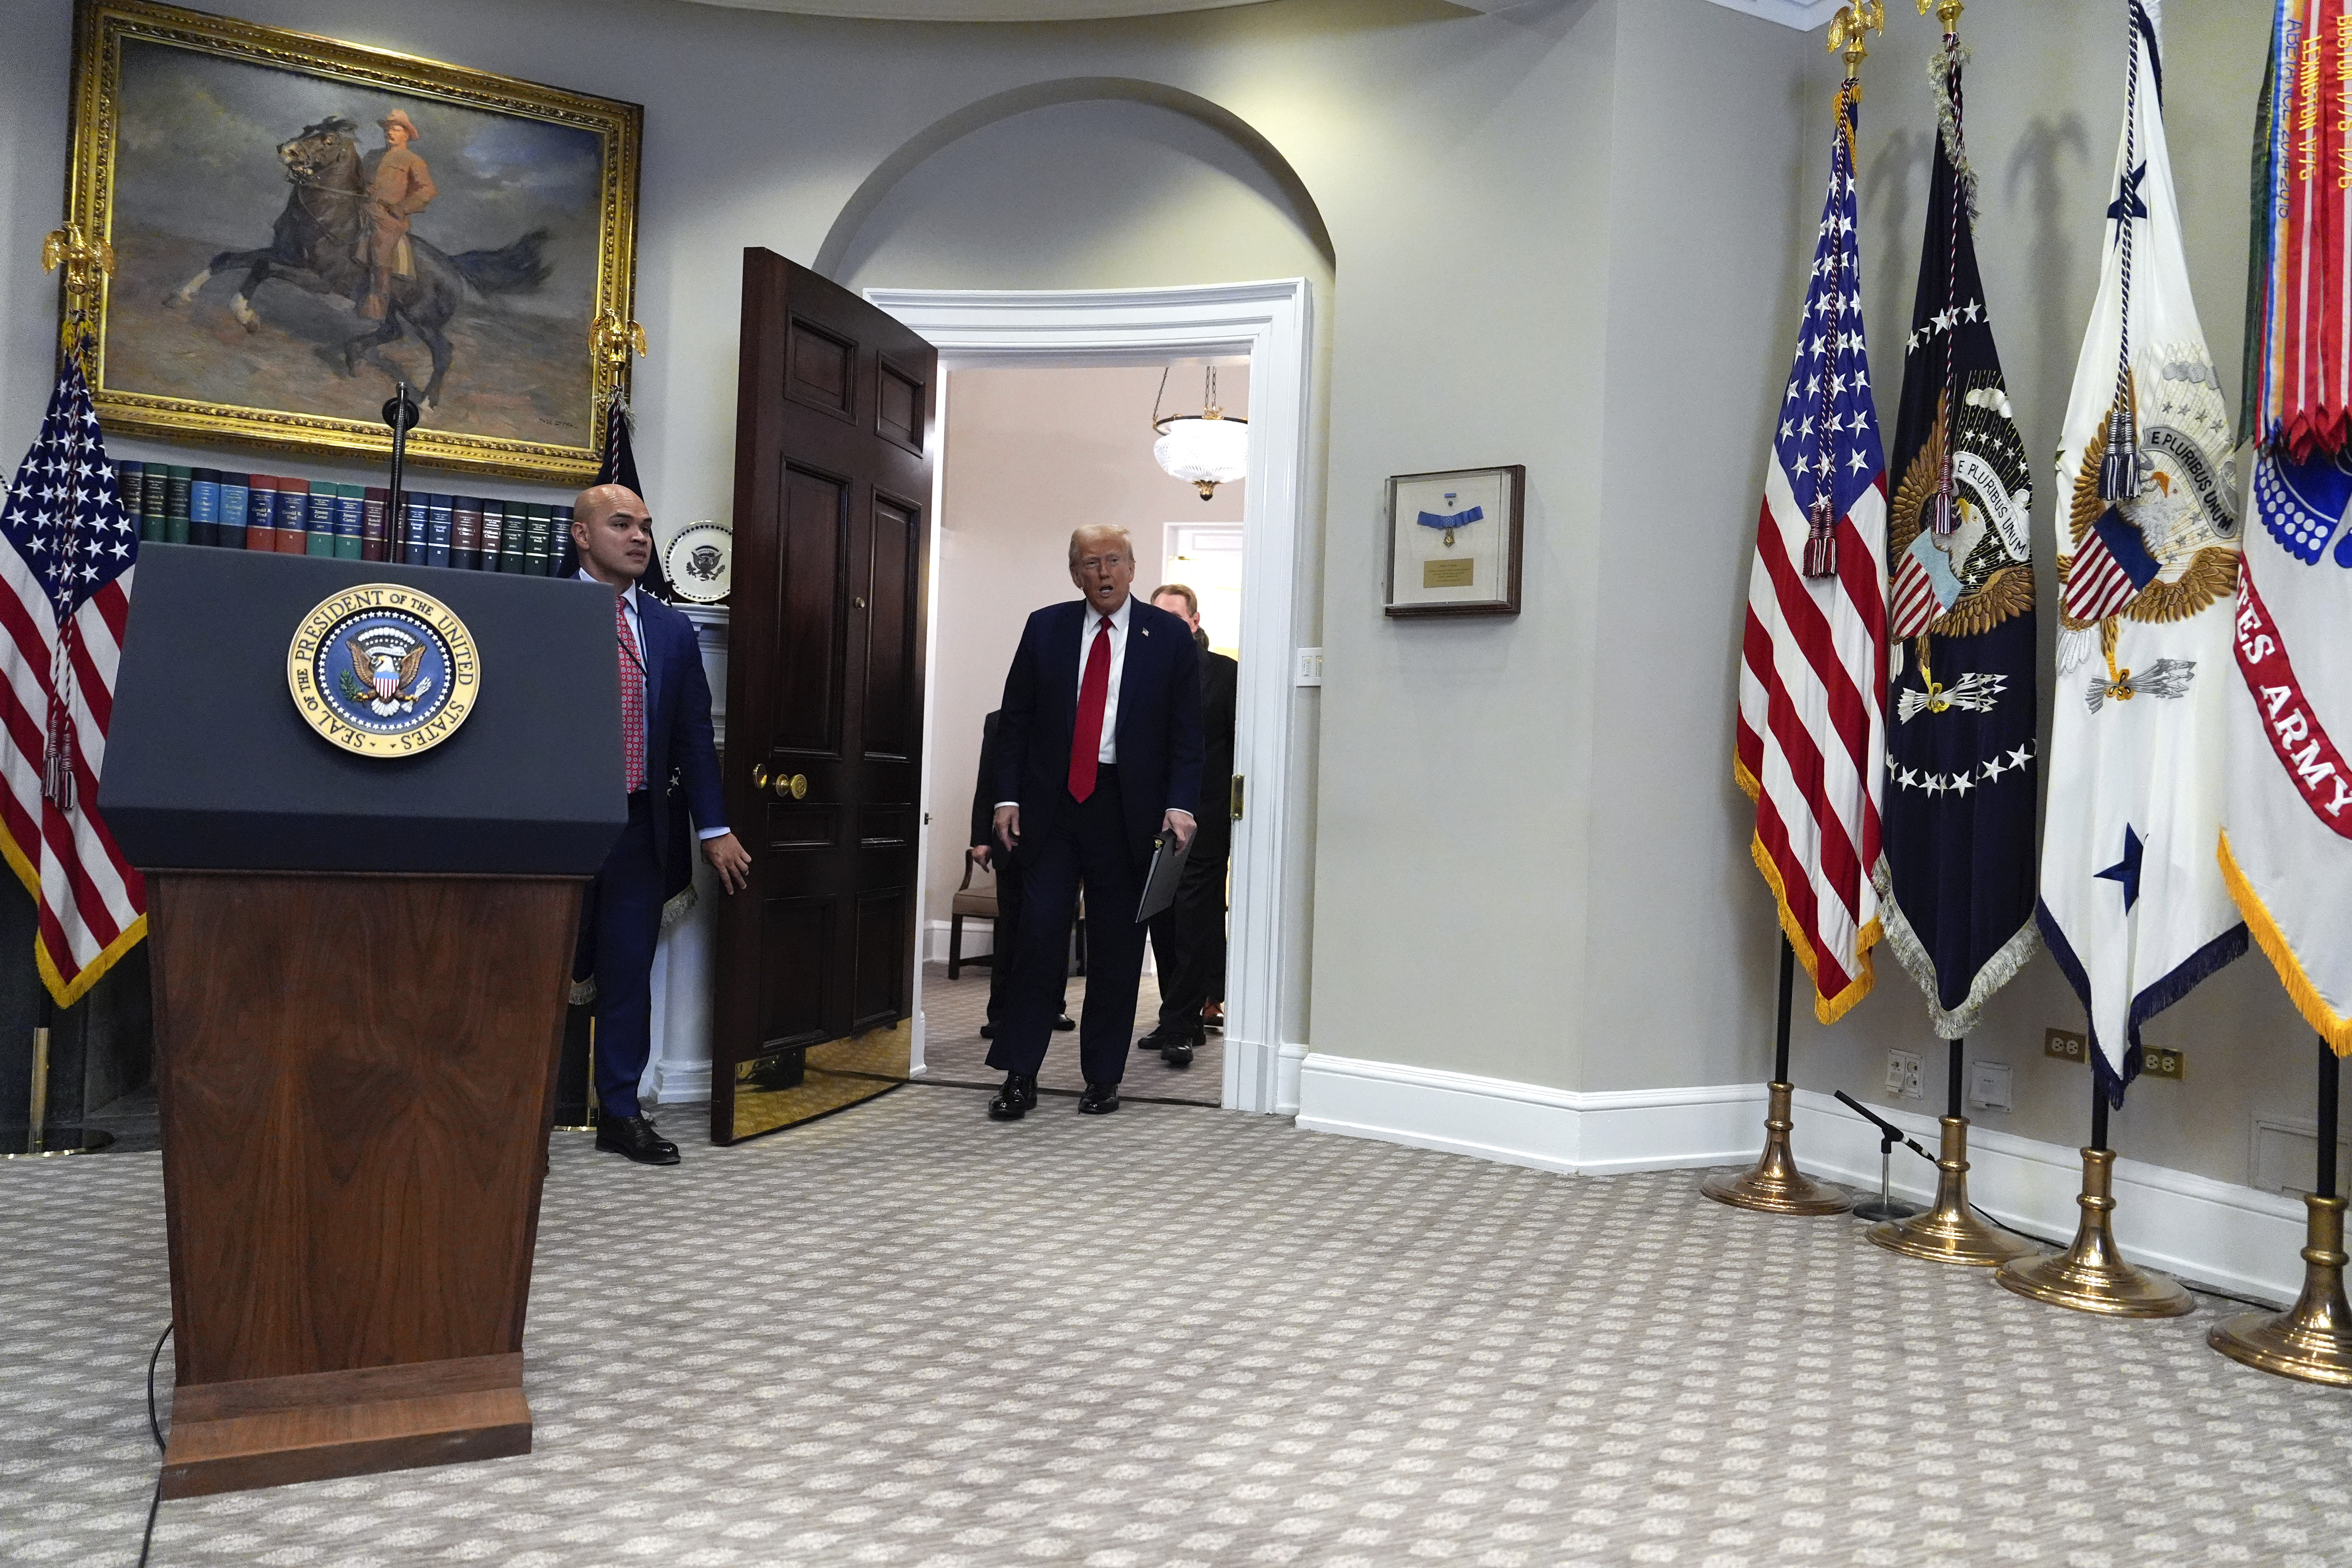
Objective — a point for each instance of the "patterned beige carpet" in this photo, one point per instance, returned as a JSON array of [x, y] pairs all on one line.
[[954, 1010], [906, 1335]]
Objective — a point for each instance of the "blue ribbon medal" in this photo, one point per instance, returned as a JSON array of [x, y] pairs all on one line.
[[1451, 520]]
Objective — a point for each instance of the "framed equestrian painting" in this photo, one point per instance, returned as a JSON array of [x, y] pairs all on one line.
[[300, 224], [1454, 541]]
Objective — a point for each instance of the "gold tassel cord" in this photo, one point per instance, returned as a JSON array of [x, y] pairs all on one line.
[[2335, 1027]]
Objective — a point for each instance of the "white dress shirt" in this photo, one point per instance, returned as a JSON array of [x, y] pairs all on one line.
[[637, 630], [1108, 753], [1089, 626]]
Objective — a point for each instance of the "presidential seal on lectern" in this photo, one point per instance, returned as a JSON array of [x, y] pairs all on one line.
[[383, 670]]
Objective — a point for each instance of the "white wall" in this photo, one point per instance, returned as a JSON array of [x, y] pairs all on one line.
[[1032, 455]]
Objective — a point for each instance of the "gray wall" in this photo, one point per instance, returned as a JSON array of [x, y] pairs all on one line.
[[1570, 237], [2044, 106], [1452, 892]]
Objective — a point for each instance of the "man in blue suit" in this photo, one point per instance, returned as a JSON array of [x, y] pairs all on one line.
[[1098, 752], [672, 770]]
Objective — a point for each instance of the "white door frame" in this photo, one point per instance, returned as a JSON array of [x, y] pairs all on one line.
[[1272, 322]]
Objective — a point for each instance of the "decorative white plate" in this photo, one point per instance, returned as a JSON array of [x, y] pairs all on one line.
[[701, 563]]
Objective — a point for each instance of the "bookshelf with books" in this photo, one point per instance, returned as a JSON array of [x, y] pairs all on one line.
[[221, 509]]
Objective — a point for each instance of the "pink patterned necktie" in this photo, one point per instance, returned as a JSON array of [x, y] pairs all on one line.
[[633, 697]]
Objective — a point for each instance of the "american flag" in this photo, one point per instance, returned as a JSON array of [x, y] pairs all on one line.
[[65, 594], [2109, 571], [1812, 685]]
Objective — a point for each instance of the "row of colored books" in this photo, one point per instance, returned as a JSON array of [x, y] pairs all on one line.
[[184, 505]]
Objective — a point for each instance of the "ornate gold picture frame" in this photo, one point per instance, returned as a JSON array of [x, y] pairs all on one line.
[[299, 224]]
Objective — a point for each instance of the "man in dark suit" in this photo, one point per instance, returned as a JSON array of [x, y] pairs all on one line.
[[672, 770], [1007, 869], [1098, 752], [1188, 938]]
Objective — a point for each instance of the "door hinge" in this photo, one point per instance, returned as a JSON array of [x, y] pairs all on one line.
[[1236, 807]]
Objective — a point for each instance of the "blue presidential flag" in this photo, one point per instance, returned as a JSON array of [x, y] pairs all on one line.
[[1958, 875]]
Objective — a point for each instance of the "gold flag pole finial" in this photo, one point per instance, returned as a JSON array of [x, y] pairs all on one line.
[[1850, 33], [88, 263], [612, 340], [1948, 12]]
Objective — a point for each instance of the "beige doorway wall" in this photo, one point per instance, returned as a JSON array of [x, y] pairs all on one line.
[[1029, 455]]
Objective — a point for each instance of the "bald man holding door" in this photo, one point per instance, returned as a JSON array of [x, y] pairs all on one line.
[[664, 733], [1098, 753]]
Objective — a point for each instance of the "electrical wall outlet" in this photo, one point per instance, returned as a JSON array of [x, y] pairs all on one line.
[[1903, 1074], [2066, 1046], [2158, 1063], [1310, 667], [1989, 1086]]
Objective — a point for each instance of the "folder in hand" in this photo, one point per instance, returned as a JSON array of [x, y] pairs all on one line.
[[1167, 867]]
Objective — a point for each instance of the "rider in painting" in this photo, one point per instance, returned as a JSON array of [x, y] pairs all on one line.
[[399, 185]]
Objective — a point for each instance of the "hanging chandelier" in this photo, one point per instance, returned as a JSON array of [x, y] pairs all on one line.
[[1206, 449]]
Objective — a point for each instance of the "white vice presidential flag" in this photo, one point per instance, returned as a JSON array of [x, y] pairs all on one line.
[[2133, 903]]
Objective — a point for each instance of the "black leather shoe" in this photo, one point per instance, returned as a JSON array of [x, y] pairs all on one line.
[[635, 1137], [1065, 1024], [1178, 1054], [1099, 1100], [988, 1031], [1016, 1099]]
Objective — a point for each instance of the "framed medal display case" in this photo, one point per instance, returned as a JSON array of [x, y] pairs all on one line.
[[1454, 541]]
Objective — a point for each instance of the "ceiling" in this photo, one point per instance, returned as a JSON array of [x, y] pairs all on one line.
[[1023, 10], [980, 10], [1800, 14]]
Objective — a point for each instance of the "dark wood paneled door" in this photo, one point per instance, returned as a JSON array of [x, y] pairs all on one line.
[[834, 439]]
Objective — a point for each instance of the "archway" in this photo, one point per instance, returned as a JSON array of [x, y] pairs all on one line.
[[1223, 137]]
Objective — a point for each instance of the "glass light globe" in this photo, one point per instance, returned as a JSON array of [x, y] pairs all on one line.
[[1205, 450]]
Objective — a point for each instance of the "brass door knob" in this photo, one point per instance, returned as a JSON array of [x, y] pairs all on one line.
[[760, 776], [792, 788]]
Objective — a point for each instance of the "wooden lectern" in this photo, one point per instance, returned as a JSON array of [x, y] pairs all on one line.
[[361, 967]]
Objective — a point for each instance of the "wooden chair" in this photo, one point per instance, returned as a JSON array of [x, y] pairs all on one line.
[[972, 903], [979, 903]]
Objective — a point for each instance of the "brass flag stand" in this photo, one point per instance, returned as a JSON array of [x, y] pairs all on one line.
[[38, 1140], [1774, 1185], [587, 1122], [2091, 1276], [1949, 1232], [2314, 1341]]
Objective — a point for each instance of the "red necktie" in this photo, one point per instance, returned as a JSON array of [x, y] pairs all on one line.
[[1094, 696], [633, 700]]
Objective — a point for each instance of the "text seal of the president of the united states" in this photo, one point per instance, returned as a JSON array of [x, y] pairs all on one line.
[[384, 670]]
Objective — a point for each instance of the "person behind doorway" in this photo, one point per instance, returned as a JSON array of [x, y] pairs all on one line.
[[672, 770], [399, 187], [1007, 871], [1188, 938], [1098, 751]]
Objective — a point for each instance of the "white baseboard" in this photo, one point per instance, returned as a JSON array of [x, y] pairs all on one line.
[[2210, 1232], [1286, 1078], [1525, 1123], [979, 940], [681, 1082]]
